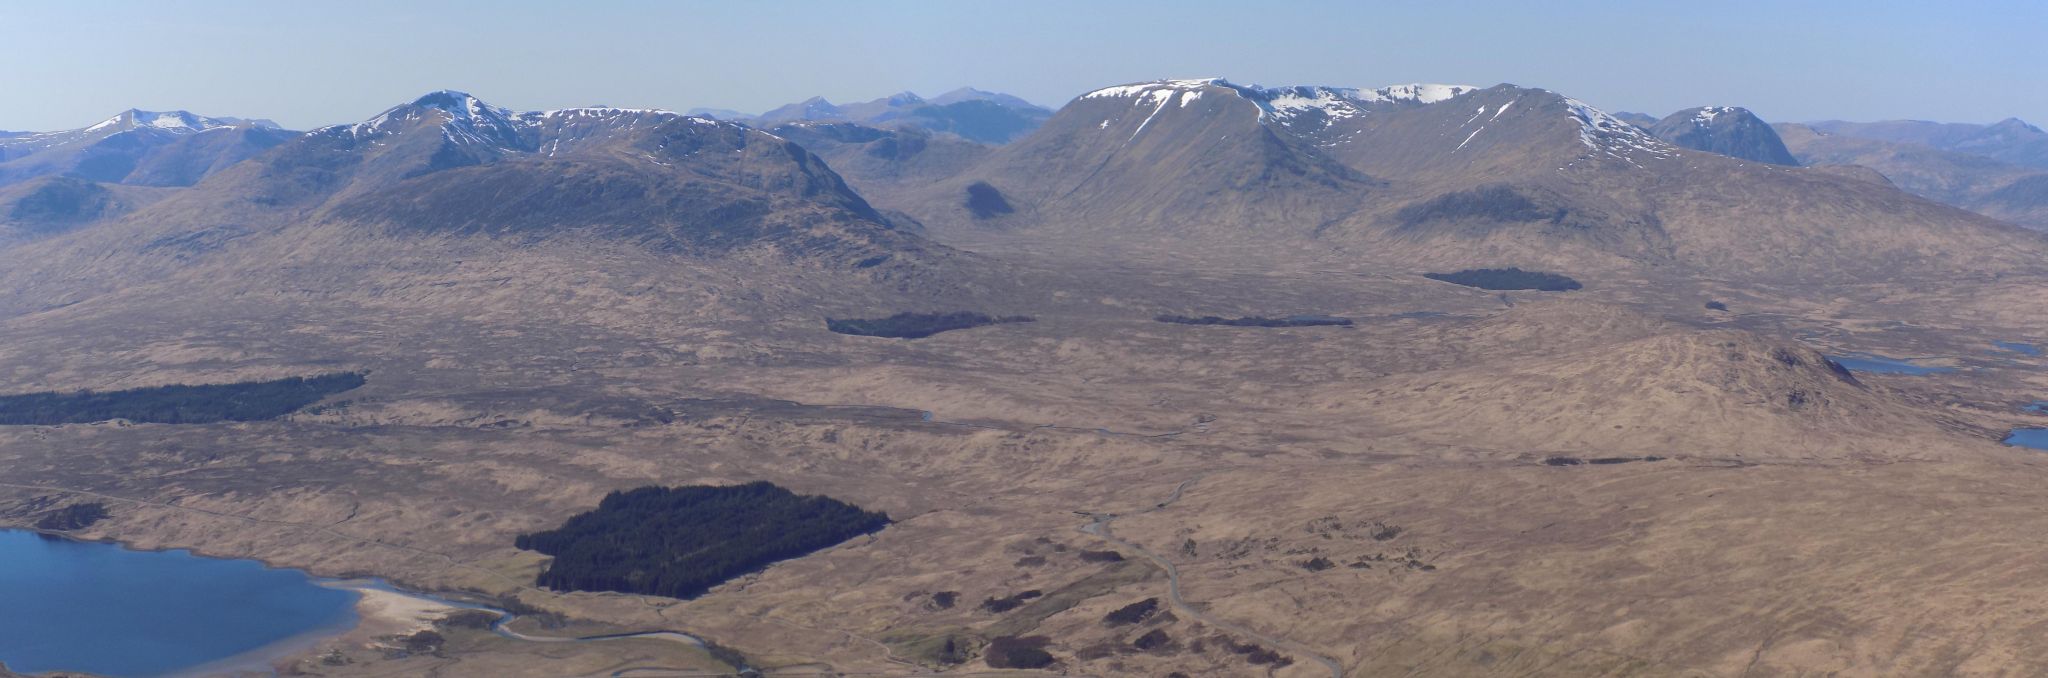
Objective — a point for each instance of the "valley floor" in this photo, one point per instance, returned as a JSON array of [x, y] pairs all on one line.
[[1395, 497]]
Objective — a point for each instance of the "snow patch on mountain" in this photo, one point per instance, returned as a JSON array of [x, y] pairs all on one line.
[[1707, 114], [179, 122], [1285, 104], [1312, 106], [1610, 136], [1151, 89], [1424, 93]]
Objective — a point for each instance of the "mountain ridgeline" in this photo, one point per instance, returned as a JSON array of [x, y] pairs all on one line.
[[1441, 176], [451, 164]]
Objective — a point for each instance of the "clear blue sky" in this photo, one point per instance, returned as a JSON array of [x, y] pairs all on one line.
[[304, 64]]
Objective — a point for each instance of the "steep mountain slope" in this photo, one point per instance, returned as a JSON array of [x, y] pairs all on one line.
[[143, 148], [1446, 176], [1993, 188], [1727, 130], [2010, 140], [971, 114]]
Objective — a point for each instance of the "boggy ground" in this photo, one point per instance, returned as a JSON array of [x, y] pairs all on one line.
[[1386, 498]]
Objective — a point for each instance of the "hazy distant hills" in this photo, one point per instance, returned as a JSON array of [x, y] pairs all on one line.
[[1727, 130], [1981, 168], [2010, 140], [972, 114], [143, 148], [1982, 184]]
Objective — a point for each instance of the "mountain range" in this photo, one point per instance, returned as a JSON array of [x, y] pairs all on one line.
[[449, 164], [1429, 174], [2010, 140], [1447, 175], [1979, 182]]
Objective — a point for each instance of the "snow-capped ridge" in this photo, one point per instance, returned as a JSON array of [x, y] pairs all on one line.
[[1422, 93], [466, 120], [172, 121], [1286, 105], [1148, 88], [1611, 136]]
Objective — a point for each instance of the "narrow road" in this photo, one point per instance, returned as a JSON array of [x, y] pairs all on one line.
[[1098, 525]]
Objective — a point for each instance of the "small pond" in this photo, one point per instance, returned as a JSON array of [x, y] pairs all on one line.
[[2017, 347], [1877, 364], [2036, 438]]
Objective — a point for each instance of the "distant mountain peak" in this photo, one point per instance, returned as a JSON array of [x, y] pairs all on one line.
[[2014, 125], [1732, 131], [972, 94], [461, 105], [466, 119]]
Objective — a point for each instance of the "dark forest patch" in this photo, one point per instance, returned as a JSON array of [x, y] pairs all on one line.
[[1507, 279], [681, 541], [1101, 556], [917, 325], [985, 202], [177, 403], [1258, 321], [1132, 613], [73, 517], [1013, 652]]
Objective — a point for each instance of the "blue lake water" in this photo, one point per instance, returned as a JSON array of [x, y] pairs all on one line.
[[2036, 438], [2037, 406], [103, 609], [2017, 347], [1877, 364]]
